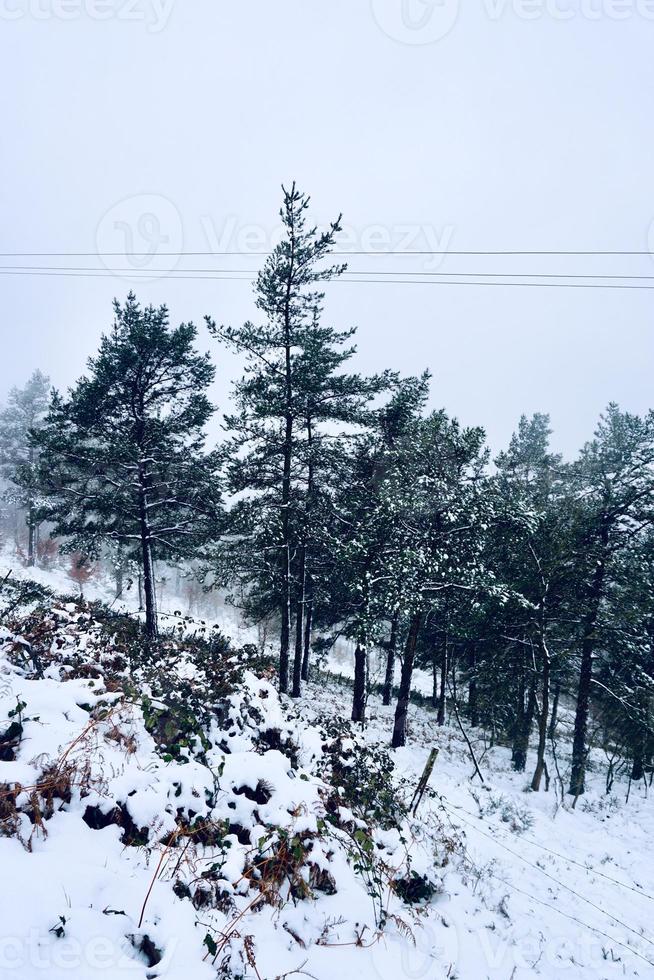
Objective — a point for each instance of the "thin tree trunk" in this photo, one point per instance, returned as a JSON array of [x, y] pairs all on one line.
[[472, 687], [578, 770], [434, 681], [305, 577], [119, 577], [521, 744], [146, 559], [30, 516], [402, 709], [149, 589], [359, 696], [641, 741], [284, 643], [30, 534], [443, 692], [638, 739], [306, 657], [519, 722], [555, 712], [299, 624], [296, 690], [543, 716], [390, 660]]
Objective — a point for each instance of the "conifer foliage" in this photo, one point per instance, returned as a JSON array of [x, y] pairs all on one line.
[[123, 456], [24, 413]]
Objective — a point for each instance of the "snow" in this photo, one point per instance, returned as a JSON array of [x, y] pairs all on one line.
[[529, 887]]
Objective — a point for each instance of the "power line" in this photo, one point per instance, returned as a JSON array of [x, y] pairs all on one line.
[[145, 275], [374, 252], [349, 272]]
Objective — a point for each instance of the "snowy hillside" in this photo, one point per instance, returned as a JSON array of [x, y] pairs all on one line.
[[177, 819]]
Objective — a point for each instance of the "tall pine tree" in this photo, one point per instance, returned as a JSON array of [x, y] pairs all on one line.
[[293, 383]]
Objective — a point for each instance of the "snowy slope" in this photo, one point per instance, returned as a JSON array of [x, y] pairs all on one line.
[[238, 852]]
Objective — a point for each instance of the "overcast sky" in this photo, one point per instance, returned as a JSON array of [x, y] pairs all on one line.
[[158, 125]]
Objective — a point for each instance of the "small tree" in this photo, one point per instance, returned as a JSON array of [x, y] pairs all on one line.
[[24, 413], [81, 570]]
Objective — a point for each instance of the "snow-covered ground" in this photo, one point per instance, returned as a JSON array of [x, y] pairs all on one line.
[[120, 860]]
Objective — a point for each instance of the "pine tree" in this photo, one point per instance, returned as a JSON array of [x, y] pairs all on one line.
[[367, 569], [293, 384], [624, 676], [533, 558], [24, 413], [438, 535], [614, 484], [123, 459]]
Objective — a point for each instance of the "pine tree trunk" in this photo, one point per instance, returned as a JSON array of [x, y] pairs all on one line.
[[390, 660], [146, 558], [641, 737], [30, 517], [402, 709], [519, 722], [555, 712], [578, 770], [306, 657], [543, 716], [30, 535], [641, 747], [521, 743], [149, 589], [284, 643], [285, 635], [119, 580], [638, 740], [443, 691], [296, 689], [299, 624], [359, 695], [472, 687]]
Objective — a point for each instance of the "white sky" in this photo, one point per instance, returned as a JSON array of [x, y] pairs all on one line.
[[508, 132]]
